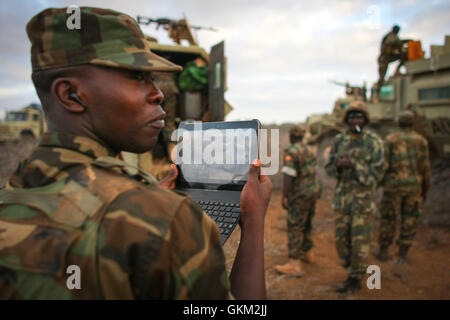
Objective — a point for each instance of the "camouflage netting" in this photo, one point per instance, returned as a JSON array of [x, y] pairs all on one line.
[[193, 77]]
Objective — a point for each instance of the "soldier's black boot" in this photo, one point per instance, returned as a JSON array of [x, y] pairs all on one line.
[[400, 268], [350, 285], [403, 255], [383, 254]]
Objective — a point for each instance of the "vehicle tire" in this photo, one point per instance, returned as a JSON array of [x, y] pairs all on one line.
[[27, 134]]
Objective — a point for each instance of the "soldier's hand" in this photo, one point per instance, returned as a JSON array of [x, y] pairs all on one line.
[[336, 162], [168, 182], [255, 197], [343, 163], [284, 203]]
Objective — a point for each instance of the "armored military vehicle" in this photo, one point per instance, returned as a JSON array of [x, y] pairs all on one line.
[[28, 121], [211, 106], [193, 102], [424, 89]]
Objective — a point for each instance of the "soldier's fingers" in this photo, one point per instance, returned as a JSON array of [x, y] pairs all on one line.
[[253, 171]]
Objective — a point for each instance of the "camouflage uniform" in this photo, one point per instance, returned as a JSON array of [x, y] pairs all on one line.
[[300, 163], [354, 199], [406, 182], [390, 52], [71, 202]]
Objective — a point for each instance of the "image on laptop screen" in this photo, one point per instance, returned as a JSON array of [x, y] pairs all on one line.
[[216, 155]]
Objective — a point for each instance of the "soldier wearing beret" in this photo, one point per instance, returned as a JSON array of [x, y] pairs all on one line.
[[356, 161], [405, 185], [71, 204], [300, 191]]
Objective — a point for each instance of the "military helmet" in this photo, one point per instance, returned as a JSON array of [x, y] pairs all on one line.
[[406, 117], [104, 37], [357, 106], [297, 131]]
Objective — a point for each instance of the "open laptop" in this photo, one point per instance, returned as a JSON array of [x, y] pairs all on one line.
[[213, 159]]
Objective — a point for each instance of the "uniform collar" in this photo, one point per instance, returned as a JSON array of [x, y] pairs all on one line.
[[56, 156], [355, 135], [80, 144]]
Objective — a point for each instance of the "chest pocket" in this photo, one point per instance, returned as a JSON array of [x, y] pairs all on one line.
[[355, 151], [360, 155], [33, 242]]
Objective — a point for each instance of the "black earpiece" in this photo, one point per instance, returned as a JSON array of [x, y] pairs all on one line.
[[73, 96]]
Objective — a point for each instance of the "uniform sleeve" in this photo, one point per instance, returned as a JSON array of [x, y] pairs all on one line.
[[387, 157], [330, 168], [424, 163], [289, 163], [198, 269], [370, 172], [160, 245]]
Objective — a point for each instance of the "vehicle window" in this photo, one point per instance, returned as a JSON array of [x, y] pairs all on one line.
[[387, 92], [35, 117], [344, 105], [16, 116], [434, 93]]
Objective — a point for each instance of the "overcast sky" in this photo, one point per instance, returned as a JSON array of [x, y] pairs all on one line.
[[281, 53]]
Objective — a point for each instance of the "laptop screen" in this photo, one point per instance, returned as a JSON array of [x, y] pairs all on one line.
[[216, 155]]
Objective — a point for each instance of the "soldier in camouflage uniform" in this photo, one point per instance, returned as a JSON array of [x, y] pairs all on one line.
[[71, 202], [356, 161], [300, 192], [391, 50], [405, 185]]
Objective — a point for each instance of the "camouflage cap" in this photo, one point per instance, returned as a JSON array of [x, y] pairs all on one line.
[[106, 38], [406, 116], [357, 106], [297, 130]]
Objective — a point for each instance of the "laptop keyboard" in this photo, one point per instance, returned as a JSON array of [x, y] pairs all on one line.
[[226, 215]]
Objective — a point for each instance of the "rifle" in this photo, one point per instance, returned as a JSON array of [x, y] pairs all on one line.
[[166, 22]]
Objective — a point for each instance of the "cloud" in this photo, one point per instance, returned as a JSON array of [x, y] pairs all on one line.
[[16, 90], [281, 54]]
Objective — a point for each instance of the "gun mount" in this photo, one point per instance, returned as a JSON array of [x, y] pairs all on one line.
[[178, 29]]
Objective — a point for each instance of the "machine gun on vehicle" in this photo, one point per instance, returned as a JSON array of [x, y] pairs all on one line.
[[177, 29]]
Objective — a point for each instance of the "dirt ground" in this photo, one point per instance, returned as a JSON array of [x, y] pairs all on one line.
[[427, 277]]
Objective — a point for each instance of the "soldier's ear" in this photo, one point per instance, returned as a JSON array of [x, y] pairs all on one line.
[[62, 90]]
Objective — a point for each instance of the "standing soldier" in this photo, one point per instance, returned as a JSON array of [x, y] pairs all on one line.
[[405, 185], [391, 50], [356, 161], [300, 192]]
